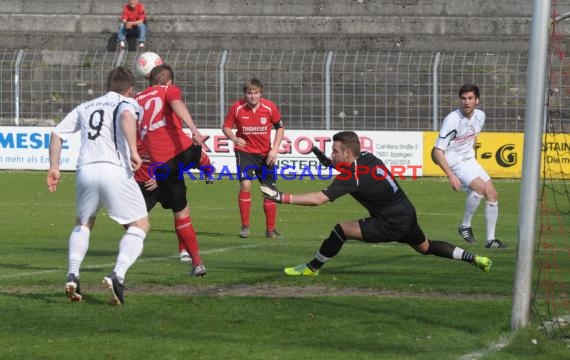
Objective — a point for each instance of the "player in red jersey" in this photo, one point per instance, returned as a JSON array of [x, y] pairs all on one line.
[[253, 117], [152, 194], [172, 152]]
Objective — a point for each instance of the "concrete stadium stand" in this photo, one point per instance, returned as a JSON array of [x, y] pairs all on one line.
[[407, 25]]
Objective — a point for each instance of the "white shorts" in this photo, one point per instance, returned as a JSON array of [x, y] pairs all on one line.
[[110, 186], [467, 171]]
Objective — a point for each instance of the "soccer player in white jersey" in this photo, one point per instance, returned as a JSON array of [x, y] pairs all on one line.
[[107, 158], [454, 152]]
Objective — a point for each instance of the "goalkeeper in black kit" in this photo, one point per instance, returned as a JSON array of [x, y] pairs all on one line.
[[392, 215]]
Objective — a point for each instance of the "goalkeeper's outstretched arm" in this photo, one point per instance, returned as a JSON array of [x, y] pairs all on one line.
[[323, 159], [307, 199]]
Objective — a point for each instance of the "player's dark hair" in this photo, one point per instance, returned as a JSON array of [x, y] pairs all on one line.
[[469, 88], [252, 83], [161, 74], [349, 140], [120, 79]]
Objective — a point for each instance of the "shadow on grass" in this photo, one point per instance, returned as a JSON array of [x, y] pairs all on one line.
[[48, 250], [199, 233], [53, 298], [26, 267]]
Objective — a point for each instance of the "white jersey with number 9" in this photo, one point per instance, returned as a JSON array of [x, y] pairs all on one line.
[[102, 139]]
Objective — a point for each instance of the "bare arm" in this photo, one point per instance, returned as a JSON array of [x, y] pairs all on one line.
[[229, 133], [130, 24], [129, 127], [272, 156], [307, 199], [182, 111], [54, 175], [239, 142], [439, 158]]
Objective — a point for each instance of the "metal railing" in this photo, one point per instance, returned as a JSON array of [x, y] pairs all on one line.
[[313, 89]]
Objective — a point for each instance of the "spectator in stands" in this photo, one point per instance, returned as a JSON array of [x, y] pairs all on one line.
[[132, 22]]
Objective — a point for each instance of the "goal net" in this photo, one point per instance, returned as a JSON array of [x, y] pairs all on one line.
[[550, 298]]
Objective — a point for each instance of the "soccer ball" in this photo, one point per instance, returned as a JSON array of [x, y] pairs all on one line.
[[146, 62]]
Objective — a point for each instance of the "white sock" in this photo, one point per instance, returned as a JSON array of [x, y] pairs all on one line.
[[130, 248], [491, 216], [78, 245], [471, 205], [321, 257]]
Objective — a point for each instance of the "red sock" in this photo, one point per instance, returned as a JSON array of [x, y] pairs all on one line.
[[270, 210], [205, 165], [181, 245], [244, 202], [185, 232]]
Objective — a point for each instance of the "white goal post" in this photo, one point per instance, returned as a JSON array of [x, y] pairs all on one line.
[[534, 120]]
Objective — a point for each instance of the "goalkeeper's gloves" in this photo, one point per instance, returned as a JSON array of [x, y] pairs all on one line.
[[323, 159], [275, 195]]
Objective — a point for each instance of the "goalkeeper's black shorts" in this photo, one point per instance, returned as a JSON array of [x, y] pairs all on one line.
[[403, 229]]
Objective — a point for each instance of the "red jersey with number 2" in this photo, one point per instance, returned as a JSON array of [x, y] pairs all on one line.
[[160, 129], [253, 126]]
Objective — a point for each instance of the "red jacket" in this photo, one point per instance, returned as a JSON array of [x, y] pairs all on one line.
[[129, 14]]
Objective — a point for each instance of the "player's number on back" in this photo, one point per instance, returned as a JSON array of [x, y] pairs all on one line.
[[95, 123], [152, 106]]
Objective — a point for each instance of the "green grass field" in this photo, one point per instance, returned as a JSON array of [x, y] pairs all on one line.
[[370, 302]]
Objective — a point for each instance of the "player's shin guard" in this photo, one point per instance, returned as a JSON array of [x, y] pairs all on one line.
[[130, 248], [329, 248], [78, 245], [270, 209], [471, 204], [185, 232], [204, 160], [446, 250], [491, 216], [206, 166], [440, 248], [244, 202]]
